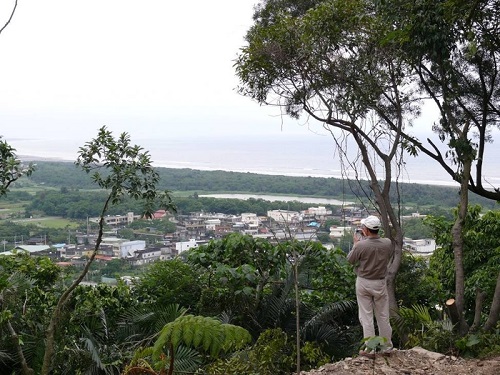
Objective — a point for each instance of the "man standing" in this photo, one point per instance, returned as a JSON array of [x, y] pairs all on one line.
[[370, 257]]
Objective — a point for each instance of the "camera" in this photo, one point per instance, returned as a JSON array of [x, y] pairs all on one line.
[[358, 233]]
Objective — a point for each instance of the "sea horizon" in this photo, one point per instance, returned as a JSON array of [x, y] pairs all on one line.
[[288, 155]]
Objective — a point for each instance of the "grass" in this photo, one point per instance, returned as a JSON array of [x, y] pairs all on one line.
[[9, 210], [50, 222]]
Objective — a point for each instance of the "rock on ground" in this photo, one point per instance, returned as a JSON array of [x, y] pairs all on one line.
[[416, 361]]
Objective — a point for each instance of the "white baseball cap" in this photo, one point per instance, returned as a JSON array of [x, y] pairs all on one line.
[[371, 222]]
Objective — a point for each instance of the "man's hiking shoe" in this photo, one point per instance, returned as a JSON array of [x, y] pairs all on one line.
[[387, 352], [367, 354]]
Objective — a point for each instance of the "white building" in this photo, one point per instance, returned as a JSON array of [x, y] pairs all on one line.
[[424, 247], [117, 220], [31, 249], [252, 220], [145, 256], [185, 245], [284, 216], [339, 232], [319, 211], [212, 224], [123, 248], [130, 247]]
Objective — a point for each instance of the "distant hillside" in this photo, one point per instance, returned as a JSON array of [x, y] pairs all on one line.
[[66, 174]]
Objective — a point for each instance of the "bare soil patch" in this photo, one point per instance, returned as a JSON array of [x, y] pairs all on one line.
[[416, 361]]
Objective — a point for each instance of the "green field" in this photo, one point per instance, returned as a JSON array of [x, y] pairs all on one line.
[[8, 209], [50, 222]]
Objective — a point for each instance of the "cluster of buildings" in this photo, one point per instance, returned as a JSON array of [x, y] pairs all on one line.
[[198, 228]]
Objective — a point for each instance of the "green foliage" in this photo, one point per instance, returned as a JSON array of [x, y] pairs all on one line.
[[202, 333], [124, 170], [420, 329], [415, 228], [11, 168], [29, 287], [272, 354], [414, 270], [375, 344], [455, 57], [429, 199], [252, 281], [72, 204], [330, 278], [177, 339], [481, 257], [312, 356], [479, 345], [89, 301], [147, 321], [168, 282], [237, 269], [41, 270]]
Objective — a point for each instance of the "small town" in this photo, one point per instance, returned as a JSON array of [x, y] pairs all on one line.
[[199, 228]]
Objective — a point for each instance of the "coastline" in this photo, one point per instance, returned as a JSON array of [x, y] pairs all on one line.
[[193, 166]]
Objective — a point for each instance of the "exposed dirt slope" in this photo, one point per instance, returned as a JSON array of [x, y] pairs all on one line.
[[416, 361]]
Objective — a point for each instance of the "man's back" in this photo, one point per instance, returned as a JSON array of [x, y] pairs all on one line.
[[371, 257]]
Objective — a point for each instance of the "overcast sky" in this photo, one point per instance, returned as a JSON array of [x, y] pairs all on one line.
[[148, 67], [156, 69]]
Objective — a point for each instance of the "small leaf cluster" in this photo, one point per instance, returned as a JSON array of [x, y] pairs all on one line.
[[123, 169]]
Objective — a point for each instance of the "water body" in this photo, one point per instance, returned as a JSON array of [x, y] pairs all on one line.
[[281, 198], [283, 154]]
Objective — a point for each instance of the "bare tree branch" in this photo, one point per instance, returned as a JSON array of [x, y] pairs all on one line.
[[10, 18]]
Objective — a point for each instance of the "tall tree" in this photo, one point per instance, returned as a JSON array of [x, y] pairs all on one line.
[[123, 170], [323, 59], [345, 61], [452, 47]]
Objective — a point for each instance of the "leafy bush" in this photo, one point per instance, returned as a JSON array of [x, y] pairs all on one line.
[[272, 354]]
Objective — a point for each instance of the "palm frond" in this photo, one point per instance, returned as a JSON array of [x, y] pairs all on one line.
[[5, 356], [186, 360], [331, 312], [141, 325], [226, 317]]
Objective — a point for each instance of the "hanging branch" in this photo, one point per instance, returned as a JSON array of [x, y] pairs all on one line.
[[10, 18]]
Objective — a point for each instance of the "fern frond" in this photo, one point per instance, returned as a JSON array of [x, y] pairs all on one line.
[[176, 336], [188, 332], [235, 337], [197, 338], [162, 340]]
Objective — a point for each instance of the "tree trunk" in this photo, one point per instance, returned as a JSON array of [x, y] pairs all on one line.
[[458, 242], [494, 315], [297, 308], [390, 222], [453, 312], [480, 296], [393, 270]]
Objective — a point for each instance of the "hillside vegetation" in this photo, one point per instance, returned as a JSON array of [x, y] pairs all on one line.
[[66, 175]]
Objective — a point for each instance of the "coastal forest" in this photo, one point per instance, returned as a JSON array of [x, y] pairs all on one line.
[[64, 175]]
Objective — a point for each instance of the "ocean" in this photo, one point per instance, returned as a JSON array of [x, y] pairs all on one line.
[[282, 154]]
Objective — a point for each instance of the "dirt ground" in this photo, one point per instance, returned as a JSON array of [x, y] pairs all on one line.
[[416, 361]]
